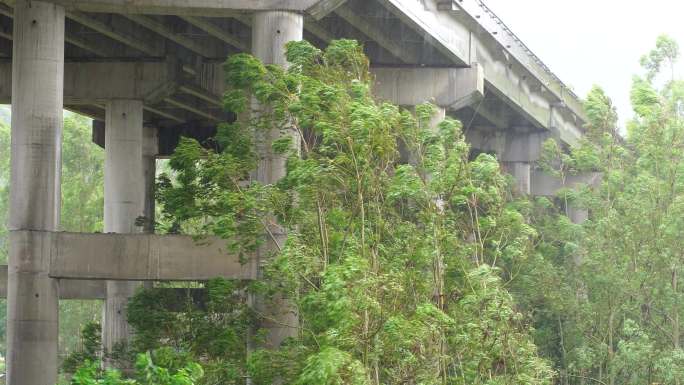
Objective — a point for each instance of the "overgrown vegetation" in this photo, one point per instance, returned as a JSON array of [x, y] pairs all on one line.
[[425, 271], [611, 306], [397, 270]]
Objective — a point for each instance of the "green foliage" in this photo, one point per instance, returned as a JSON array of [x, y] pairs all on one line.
[[91, 341], [611, 306], [398, 271], [666, 50], [148, 372]]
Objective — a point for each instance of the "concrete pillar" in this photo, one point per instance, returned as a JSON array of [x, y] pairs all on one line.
[[37, 101], [271, 31], [438, 117], [577, 215], [124, 201], [150, 151], [521, 172]]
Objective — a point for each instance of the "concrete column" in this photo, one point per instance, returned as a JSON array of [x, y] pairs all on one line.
[[521, 172], [150, 151], [271, 31], [438, 117], [124, 202], [577, 215], [37, 101]]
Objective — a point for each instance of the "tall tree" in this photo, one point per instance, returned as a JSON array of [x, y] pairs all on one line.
[[623, 323], [397, 271]]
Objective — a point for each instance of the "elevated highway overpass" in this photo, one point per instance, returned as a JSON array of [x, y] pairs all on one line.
[[148, 71]]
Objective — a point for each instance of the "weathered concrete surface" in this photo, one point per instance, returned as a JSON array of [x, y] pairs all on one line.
[[471, 33], [184, 7], [578, 216], [510, 145], [271, 31], [543, 184], [32, 303], [452, 88], [521, 172], [137, 257], [150, 151], [68, 289], [97, 83], [449, 36], [124, 201]]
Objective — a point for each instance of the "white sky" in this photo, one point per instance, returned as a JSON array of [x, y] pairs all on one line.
[[587, 42]]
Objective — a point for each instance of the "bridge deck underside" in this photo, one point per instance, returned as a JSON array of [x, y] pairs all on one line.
[[193, 43]]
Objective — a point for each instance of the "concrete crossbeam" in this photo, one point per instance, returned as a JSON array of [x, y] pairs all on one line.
[[96, 83], [68, 289], [71, 289], [138, 257], [452, 88], [215, 8], [509, 145], [543, 184]]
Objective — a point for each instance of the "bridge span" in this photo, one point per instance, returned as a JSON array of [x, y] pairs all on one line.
[[148, 71]]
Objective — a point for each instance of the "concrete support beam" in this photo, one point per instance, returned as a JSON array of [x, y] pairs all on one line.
[[201, 94], [135, 257], [521, 172], [215, 8], [37, 83], [217, 32], [543, 184], [185, 106], [68, 289], [96, 83], [315, 28], [453, 88], [73, 40], [163, 30], [324, 7], [271, 31], [383, 38], [578, 216], [515, 75], [164, 114], [111, 33], [447, 35], [526, 95], [510, 145]]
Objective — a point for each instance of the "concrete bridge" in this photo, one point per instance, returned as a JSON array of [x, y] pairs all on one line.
[[148, 71]]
